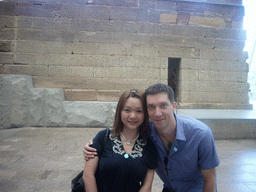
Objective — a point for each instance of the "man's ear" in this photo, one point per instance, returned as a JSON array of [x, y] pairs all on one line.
[[174, 105]]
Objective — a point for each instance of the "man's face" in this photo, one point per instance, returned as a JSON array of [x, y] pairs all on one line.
[[160, 110]]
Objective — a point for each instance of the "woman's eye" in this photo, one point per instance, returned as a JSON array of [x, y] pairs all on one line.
[[126, 110], [140, 111]]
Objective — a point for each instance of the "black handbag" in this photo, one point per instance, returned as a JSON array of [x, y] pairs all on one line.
[[77, 184]]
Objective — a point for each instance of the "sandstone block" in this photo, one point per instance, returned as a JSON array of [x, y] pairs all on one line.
[[215, 97], [164, 74], [147, 27], [45, 47], [237, 24], [216, 22], [71, 71], [7, 22], [96, 37], [85, 114], [45, 35], [222, 76], [143, 50], [25, 22], [107, 26], [222, 65], [112, 49], [49, 59], [84, 48], [101, 61], [229, 45], [115, 72], [123, 3], [39, 70], [140, 61], [7, 8], [80, 94], [182, 52], [6, 58], [25, 9], [109, 95], [6, 46], [100, 72], [223, 55], [124, 14], [94, 12], [186, 86], [188, 63], [60, 82], [168, 18], [224, 33]]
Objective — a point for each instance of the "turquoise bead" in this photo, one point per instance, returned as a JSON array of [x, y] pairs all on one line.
[[175, 149], [126, 156]]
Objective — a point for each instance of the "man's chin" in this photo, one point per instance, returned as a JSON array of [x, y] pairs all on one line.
[[157, 124]]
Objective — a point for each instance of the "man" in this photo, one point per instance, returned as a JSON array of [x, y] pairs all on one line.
[[186, 146]]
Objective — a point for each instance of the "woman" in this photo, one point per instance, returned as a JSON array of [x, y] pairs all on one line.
[[127, 160]]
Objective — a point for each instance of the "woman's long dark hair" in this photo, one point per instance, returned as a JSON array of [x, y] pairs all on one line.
[[118, 124]]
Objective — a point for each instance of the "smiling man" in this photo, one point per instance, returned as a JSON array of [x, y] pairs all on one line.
[[186, 146]]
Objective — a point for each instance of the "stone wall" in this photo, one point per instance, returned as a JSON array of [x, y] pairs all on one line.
[[95, 49]]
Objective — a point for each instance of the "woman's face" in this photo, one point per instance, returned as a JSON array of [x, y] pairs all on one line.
[[132, 115]]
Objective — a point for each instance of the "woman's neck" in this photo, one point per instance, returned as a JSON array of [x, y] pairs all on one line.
[[130, 134]]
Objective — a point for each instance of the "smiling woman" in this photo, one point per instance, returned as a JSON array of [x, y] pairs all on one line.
[[127, 160]]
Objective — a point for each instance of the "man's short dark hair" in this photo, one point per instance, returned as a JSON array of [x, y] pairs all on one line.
[[160, 88]]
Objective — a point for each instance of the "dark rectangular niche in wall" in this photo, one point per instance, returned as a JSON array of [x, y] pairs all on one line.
[[173, 75]]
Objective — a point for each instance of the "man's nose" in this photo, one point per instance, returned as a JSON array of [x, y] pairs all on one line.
[[158, 112]]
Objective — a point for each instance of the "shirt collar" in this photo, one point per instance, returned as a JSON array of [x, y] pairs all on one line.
[[180, 135]]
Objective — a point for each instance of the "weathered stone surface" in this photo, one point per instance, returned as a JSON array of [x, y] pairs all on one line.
[[22, 105], [80, 94], [47, 107], [14, 99], [7, 34], [119, 44], [7, 8], [5, 46], [7, 22], [217, 22], [6, 58], [40, 70], [223, 55], [89, 114]]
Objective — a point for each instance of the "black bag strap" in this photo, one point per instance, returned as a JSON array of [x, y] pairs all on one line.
[[106, 136], [77, 184]]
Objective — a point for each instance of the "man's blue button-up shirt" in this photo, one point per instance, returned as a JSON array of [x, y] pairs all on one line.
[[193, 149]]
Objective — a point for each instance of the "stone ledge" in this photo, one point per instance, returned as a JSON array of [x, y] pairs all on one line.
[[214, 106]]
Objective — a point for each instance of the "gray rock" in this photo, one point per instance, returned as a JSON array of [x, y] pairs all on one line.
[[21, 105], [89, 114]]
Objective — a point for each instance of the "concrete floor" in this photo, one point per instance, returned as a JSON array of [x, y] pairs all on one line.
[[46, 159]]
